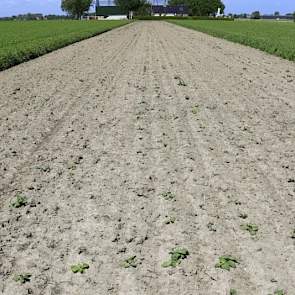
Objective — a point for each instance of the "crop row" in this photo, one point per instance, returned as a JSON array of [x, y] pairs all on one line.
[[22, 41]]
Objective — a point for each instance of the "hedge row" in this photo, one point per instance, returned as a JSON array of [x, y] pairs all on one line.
[[181, 17]]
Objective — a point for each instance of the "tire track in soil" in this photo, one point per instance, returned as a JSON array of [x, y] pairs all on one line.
[[111, 60]]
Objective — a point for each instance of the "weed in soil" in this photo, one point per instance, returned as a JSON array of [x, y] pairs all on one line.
[[19, 202], [168, 196], [180, 81], [177, 254], [233, 292], [23, 278], [226, 262], [279, 292], [211, 227], [170, 220], [195, 109], [80, 267], [130, 262], [251, 228]]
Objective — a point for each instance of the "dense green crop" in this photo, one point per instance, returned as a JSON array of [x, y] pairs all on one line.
[[275, 37], [23, 40]]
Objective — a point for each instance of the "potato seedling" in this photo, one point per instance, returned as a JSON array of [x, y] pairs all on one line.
[[180, 81], [168, 196], [23, 278], [195, 109], [130, 262], [170, 220], [251, 228], [80, 267], [226, 262], [177, 254], [19, 202]]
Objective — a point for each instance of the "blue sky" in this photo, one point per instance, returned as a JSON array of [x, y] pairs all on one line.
[[12, 7]]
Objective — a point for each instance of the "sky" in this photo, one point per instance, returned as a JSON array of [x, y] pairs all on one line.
[[15, 7]]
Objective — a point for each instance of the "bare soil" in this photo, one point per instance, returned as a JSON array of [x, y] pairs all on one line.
[[93, 135]]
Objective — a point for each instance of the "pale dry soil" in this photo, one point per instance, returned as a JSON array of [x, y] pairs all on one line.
[[94, 133]]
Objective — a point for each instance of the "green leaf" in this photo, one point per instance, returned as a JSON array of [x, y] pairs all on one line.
[[233, 292], [170, 220], [226, 262], [169, 196], [19, 202], [195, 109], [80, 267], [177, 254], [130, 262], [23, 278], [250, 227]]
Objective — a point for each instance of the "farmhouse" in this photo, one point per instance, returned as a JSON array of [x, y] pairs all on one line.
[[163, 10], [107, 9]]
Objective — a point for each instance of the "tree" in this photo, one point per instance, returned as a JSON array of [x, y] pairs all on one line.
[[132, 5], [277, 13], [76, 8], [294, 16], [200, 7], [255, 15]]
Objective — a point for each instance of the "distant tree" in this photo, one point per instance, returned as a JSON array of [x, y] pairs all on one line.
[[277, 13], [200, 7], [132, 5], [294, 16], [256, 15], [76, 8]]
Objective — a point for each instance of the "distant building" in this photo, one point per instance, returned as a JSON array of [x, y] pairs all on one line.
[[278, 17], [105, 3], [175, 10], [110, 11]]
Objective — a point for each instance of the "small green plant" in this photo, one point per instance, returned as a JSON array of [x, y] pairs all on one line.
[[226, 262], [195, 109], [211, 226], [23, 278], [19, 202], [170, 220], [168, 196], [251, 228], [279, 292], [180, 81], [80, 267], [293, 234], [130, 262], [233, 292], [177, 254]]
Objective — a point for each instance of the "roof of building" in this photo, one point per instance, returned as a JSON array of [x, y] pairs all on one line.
[[109, 10], [175, 9]]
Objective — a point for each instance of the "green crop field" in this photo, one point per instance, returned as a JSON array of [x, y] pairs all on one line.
[[275, 37], [24, 40]]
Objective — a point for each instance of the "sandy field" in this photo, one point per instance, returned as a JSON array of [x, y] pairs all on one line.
[[140, 140]]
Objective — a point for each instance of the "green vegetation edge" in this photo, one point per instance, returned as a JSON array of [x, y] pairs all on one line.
[[17, 55], [279, 41]]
